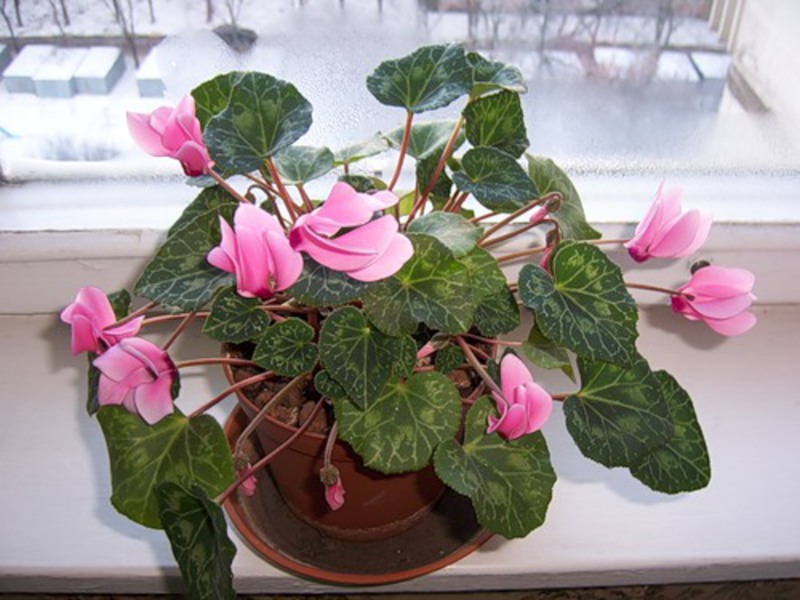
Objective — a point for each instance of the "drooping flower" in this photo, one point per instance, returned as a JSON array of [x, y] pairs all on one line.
[[173, 132], [720, 297], [369, 251], [665, 232], [91, 317], [138, 375], [524, 406], [334, 494], [248, 486], [257, 251]]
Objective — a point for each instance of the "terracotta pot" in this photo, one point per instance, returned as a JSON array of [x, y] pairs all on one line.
[[377, 506]]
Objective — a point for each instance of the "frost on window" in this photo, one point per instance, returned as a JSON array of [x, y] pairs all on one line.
[[624, 83]]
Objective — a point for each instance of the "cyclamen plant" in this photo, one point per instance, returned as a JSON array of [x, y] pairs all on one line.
[[372, 296]]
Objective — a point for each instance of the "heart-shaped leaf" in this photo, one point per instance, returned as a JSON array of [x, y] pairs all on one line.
[[497, 121], [234, 318], [497, 314], [431, 288], [425, 139], [406, 357], [198, 534], [357, 354], [327, 386], [263, 116], [320, 286], [486, 276], [213, 96], [543, 353], [440, 192], [510, 483], [449, 359], [287, 348], [399, 431], [490, 75], [454, 231], [360, 150], [585, 305], [177, 449], [571, 219], [179, 275], [682, 464], [428, 78], [495, 179], [619, 415], [298, 164]]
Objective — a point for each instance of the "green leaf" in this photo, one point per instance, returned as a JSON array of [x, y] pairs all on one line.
[[426, 139], [490, 75], [120, 303], [571, 219], [619, 415], [179, 275], [497, 121], [406, 357], [363, 184], [177, 449], [360, 150], [198, 534], [681, 464], [425, 170], [431, 288], [449, 359], [234, 318], [399, 431], [92, 381], [486, 276], [287, 348], [263, 116], [496, 180], [357, 354], [510, 483], [428, 78], [327, 386], [298, 164], [544, 353], [454, 231], [585, 305], [497, 314], [212, 97], [320, 286]]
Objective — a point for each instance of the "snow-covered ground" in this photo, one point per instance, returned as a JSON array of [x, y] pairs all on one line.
[[630, 109]]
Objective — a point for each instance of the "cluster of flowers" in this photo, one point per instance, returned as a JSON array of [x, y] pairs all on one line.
[[350, 233]]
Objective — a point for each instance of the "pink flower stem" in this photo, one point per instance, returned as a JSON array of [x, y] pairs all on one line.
[[306, 200], [329, 443], [519, 212], [457, 203], [507, 236], [655, 288], [166, 318], [475, 363], [227, 187], [245, 474], [448, 149], [219, 360], [261, 415], [178, 330], [476, 393], [483, 217], [492, 342], [130, 317], [282, 191], [521, 254], [227, 392], [607, 241], [401, 158]]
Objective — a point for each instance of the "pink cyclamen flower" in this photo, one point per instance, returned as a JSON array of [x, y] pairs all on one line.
[[248, 486], [173, 132], [524, 406], [138, 375], [665, 232], [719, 297], [334, 494], [91, 317], [369, 251], [257, 251]]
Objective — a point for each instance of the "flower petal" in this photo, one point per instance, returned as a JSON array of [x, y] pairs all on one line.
[[393, 258], [154, 400], [734, 326], [147, 138], [513, 373]]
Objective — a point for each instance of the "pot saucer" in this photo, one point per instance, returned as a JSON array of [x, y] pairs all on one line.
[[447, 534]]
